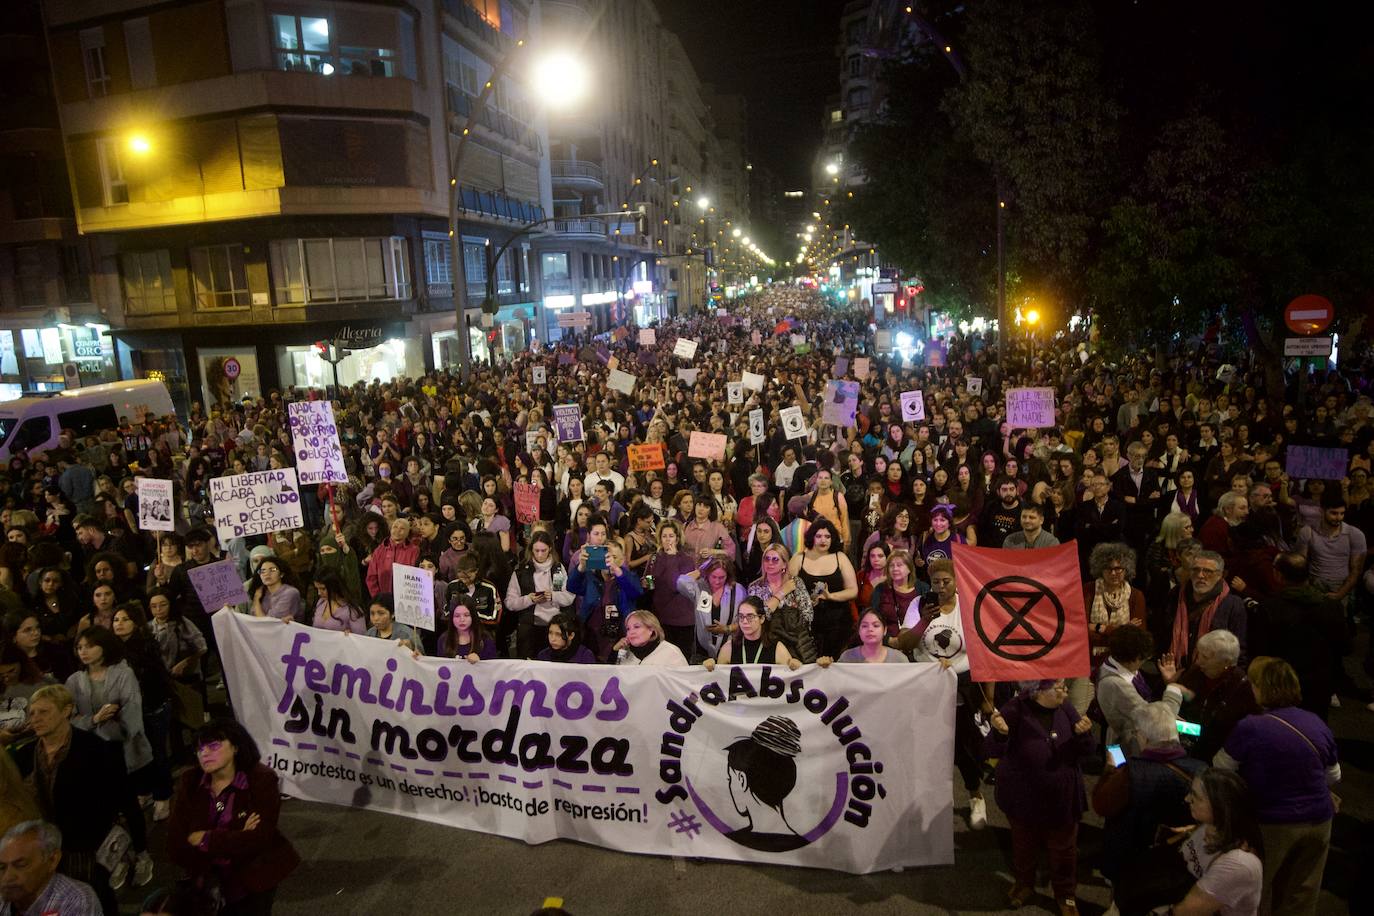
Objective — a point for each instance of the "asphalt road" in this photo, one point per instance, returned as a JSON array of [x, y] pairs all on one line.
[[365, 862]]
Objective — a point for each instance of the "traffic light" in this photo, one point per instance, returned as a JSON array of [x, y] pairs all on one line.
[[911, 292]]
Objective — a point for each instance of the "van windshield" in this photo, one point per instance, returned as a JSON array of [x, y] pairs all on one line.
[[7, 425]]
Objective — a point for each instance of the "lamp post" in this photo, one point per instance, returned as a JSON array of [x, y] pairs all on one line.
[[623, 271], [560, 78]]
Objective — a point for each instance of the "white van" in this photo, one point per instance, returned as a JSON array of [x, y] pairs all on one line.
[[33, 424]]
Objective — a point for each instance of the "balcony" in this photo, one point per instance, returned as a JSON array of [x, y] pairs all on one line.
[[494, 203], [497, 122], [581, 228], [577, 173], [474, 23]]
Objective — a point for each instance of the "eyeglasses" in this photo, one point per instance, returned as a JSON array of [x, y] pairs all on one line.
[[743, 617], [1204, 571], [772, 558], [210, 747]]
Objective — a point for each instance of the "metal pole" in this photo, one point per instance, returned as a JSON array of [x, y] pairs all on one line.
[[1002, 329]]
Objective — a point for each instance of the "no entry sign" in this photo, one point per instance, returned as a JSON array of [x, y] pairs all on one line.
[[1309, 314]]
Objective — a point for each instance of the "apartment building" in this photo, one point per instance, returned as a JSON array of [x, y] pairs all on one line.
[[256, 178]]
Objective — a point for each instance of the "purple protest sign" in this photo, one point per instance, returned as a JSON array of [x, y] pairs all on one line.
[[567, 422], [1030, 407], [218, 585], [1308, 462], [841, 366], [841, 403], [565, 359]]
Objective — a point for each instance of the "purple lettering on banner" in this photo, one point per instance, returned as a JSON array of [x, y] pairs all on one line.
[[1308, 462], [1030, 407], [218, 585]]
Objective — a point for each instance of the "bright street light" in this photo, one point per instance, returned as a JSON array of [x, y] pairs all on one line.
[[737, 233], [1032, 316], [560, 79], [832, 168], [703, 202], [140, 144]]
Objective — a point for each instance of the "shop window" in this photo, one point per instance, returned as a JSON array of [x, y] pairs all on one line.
[[438, 263], [93, 57], [147, 279], [115, 188], [220, 279], [339, 270]]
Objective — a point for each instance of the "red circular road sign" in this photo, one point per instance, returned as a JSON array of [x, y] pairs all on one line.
[[231, 368], [1309, 314]]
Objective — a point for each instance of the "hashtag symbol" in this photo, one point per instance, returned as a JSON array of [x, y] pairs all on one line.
[[682, 822]]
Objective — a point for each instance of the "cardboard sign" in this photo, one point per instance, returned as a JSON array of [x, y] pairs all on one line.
[[706, 445], [798, 340], [648, 337], [526, 502], [567, 422], [315, 437], [687, 349], [756, 430], [412, 588], [218, 585], [913, 406], [155, 505], [973, 384], [613, 363], [752, 381], [259, 502], [623, 382], [647, 457], [734, 392], [688, 375], [841, 403], [1030, 407], [793, 423], [540, 377], [861, 367], [620, 334], [1307, 462], [841, 366], [882, 341]]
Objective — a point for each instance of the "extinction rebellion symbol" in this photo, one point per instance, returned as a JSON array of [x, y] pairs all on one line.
[[1003, 608]]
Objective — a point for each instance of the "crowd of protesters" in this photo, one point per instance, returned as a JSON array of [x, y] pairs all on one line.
[[1219, 590]]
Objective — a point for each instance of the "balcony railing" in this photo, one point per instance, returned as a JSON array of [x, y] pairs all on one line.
[[580, 226], [495, 121], [470, 18], [494, 203], [576, 168]]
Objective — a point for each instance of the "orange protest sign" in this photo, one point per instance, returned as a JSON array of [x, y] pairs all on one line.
[[647, 457]]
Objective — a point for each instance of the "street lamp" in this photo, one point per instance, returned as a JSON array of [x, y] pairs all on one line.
[[559, 78], [832, 168], [703, 202], [737, 233], [139, 143]]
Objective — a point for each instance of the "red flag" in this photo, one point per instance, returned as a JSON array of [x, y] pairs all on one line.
[[1022, 612]]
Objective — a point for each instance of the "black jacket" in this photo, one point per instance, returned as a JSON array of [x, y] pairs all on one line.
[[89, 793]]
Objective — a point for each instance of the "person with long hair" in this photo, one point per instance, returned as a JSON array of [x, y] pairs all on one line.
[[895, 597], [871, 649], [45, 659], [673, 609], [102, 607], [786, 603], [224, 825], [828, 503], [1287, 756], [466, 636], [563, 643], [1216, 870], [753, 643], [381, 613], [716, 597], [829, 577], [271, 594], [335, 608], [537, 594], [143, 656], [764, 533], [872, 572]]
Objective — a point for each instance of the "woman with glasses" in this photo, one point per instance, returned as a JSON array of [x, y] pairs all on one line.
[[1041, 743], [787, 606], [753, 642], [223, 829]]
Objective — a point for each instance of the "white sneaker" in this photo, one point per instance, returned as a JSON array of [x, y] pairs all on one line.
[[119, 875], [162, 810], [1336, 700], [978, 813], [143, 869]]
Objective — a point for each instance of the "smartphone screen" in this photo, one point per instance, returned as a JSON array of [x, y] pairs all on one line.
[[1189, 728], [1115, 756], [596, 557]]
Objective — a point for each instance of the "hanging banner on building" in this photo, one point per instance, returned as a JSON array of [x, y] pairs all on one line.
[[913, 406], [1022, 612], [567, 422], [258, 502], [1030, 407], [841, 404], [319, 458], [845, 768], [155, 505], [412, 587]]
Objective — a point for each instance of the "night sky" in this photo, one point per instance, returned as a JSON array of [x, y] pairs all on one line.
[[781, 55]]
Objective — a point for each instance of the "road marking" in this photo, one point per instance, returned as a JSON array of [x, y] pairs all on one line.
[[552, 902]]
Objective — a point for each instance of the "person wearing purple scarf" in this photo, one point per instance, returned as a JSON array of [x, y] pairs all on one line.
[[1121, 688]]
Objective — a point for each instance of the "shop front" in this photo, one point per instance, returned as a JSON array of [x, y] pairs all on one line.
[[51, 358]]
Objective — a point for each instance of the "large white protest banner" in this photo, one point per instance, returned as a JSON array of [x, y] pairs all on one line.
[[319, 459], [413, 591], [155, 505], [844, 768], [258, 502]]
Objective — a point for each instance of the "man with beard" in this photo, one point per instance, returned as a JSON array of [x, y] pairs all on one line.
[[1000, 518]]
